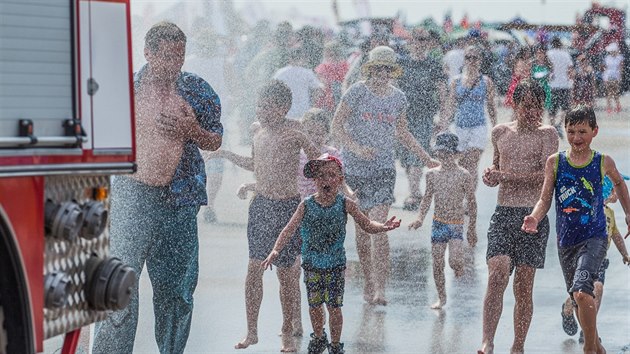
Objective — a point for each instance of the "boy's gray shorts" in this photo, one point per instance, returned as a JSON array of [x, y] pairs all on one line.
[[580, 264]]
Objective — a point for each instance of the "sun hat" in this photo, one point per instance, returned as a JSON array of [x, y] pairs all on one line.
[[382, 56], [446, 142], [311, 167]]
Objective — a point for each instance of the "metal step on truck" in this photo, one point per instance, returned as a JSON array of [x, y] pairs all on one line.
[[66, 126]]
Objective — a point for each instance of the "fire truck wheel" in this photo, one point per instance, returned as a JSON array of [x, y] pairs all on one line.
[[4, 338]]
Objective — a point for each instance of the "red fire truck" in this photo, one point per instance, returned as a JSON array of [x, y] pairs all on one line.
[[66, 126]]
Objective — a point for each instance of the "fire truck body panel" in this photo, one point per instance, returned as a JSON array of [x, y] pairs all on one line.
[[66, 126]]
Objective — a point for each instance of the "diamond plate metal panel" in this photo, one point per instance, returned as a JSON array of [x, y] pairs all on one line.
[[70, 257]]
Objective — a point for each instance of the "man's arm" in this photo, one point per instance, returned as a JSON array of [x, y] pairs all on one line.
[[239, 160], [405, 137], [341, 136], [367, 225], [530, 222], [491, 175], [471, 199], [207, 134], [449, 111], [425, 204], [490, 101], [206, 140]]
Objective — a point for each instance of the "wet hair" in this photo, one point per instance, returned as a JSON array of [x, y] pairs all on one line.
[[317, 115], [163, 32], [278, 92], [296, 54], [531, 87], [556, 43], [581, 114], [523, 53]]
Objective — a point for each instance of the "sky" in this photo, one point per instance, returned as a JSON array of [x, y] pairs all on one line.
[[301, 11]]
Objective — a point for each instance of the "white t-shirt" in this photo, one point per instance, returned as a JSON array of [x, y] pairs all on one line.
[[301, 81], [613, 67], [454, 62], [561, 62]]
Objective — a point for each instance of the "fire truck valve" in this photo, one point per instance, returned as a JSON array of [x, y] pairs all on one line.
[[109, 283], [64, 220], [94, 219], [57, 286]]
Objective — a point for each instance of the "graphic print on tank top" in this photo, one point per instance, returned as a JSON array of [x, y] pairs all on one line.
[[579, 201]]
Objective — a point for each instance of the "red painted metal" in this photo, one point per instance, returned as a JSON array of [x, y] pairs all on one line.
[[71, 341], [23, 201]]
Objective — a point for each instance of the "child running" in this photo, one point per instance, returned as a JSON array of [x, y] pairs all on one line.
[[275, 158], [452, 187], [569, 324], [322, 219], [574, 178]]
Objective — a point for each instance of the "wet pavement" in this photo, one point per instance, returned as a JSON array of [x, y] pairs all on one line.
[[406, 324]]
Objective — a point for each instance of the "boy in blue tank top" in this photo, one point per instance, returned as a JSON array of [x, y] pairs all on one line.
[[574, 179], [322, 219]]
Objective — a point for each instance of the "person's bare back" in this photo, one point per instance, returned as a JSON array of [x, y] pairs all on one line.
[[449, 191], [520, 156], [276, 155], [157, 154]]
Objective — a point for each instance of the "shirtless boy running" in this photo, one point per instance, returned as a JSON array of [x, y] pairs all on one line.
[[452, 187], [275, 158], [521, 148]]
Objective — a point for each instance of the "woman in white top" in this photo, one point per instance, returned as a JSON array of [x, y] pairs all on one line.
[[613, 63]]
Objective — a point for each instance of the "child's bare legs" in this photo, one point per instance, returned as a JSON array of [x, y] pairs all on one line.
[[456, 256], [336, 323], [437, 251], [289, 290], [523, 306], [498, 279], [253, 299], [297, 301], [317, 320], [587, 316], [364, 250], [380, 256]]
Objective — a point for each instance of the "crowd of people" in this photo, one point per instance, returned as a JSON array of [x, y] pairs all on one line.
[[325, 135]]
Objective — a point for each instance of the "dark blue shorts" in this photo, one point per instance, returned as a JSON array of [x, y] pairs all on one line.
[[601, 273], [442, 233]]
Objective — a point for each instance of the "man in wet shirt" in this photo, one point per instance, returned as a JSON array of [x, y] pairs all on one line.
[[424, 83], [521, 148], [153, 212]]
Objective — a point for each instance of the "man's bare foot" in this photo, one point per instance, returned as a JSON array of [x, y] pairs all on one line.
[[486, 349], [249, 340], [288, 344], [438, 305]]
